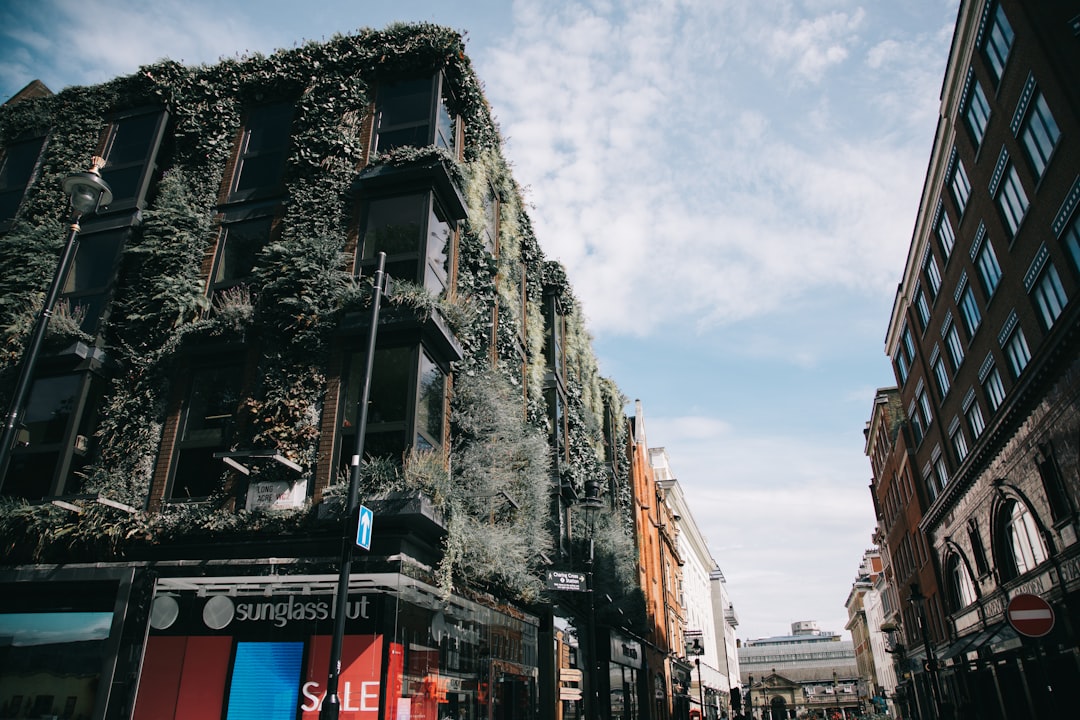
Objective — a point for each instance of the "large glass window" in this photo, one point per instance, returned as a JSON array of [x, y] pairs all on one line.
[[238, 247], [977, 113], [206, 427], [959, 443], [1072, 242], [1012, 200], [924, 407], [264, 145], [961, 586], [129, 149], [1017, 352], [922, 307], [969, 310], [998, 43], [989, 269], [86, 288], [1040, 134], [414, 113], [1023, 541], [941, 374], [1049, 295], [57, 434], [917, 429], [905, 355], [961, 187], [17, 168], [429, 404], [410, 228]]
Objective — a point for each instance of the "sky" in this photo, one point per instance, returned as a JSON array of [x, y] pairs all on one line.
[[732, 187]]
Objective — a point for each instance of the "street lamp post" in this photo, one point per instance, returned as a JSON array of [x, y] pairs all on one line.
[[591, 504], [331, 705], [87, 192], [919, 601]]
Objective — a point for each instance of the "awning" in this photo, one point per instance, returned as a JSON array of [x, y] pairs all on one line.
[[999, 637]]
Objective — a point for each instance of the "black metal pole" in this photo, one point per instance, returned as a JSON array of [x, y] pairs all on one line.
[[331, 706], [34, 343], [700, 688]]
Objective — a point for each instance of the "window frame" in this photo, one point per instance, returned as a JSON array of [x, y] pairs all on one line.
[[438, 116], [960, 187], [969, 310], [989, 268], [1012, 200], [998, 44], [158, 118], [976, 112], [1017, 352], [1048, 295], [1039, 134], [17, 188], [244, 155]]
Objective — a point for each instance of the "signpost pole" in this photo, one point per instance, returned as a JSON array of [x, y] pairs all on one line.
[[331, 705]]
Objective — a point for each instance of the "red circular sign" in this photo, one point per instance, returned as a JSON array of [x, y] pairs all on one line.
[[1030, 615]]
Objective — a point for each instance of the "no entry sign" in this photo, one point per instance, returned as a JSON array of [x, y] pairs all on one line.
[[1030, 615]]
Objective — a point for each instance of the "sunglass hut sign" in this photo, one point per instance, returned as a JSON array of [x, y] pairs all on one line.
[[222, 611]]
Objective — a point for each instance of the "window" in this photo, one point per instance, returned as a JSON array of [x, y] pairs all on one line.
[[1017, 352], [89, 281], [924, 406], [977, 113], [207, 423], [264, 145], [1023, 546], [994, 389], [59, 422], [1072, 242], [1040, 134], [130, 147], [933, 275], [961, 187], [989, 270], [392, 373], [1012, 200], [431, 397], [956, 349], [905, 355], [238, 247], [969, 310], [922, 307], [416, 235], [998, 43], [961, 586], [18, 167], [917, 429], [941, 471], [414, 113], [941, 374], [959, 443], [1053, 482], [946, 235], [977, 549], [975, 422], [1049, 295]]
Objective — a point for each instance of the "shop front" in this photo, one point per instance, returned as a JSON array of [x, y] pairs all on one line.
[[241, 648]]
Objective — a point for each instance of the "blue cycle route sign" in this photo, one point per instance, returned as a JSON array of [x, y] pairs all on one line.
[[363, 527]]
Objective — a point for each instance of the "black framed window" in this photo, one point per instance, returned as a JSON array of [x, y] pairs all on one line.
[[89, 282], [998, 43], [57, 440], [1039, 134], [414, 112], [969, 310], [238, 247], [946, 236], [960, 187], [264, 145], [1012, 200], [130, 148], [989, 269], [961, 587], [207, 422], [1020, 543], [415, 233], [18, 166], [977, 113]]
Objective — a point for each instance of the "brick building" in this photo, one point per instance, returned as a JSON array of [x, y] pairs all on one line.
[[173, 510], [985, 345]]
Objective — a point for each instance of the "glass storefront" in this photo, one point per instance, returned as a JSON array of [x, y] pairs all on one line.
[[408, 654]]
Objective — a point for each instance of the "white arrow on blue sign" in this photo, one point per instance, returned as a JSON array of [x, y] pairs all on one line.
[[363, 527]]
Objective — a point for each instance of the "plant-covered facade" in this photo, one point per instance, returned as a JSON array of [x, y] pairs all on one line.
[[178, 484]]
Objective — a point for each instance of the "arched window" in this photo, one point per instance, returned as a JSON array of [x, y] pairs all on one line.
[[961, 588], [1022, 544]]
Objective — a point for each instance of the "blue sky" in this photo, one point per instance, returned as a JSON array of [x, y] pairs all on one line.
[[732, 186]]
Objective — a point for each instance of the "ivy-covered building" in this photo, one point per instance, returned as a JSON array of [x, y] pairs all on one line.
[[173, 509]]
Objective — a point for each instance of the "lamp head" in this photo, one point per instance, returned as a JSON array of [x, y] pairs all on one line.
[[87, 190]]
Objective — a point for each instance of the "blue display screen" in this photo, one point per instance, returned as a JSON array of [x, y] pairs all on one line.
[[265, 681]]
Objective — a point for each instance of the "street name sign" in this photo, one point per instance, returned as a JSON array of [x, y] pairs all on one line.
[[363, 527], [1030, 615]]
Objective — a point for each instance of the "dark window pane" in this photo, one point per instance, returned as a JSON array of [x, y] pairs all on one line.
[[128, 152], [429, 405], [259, 171], [212, 402], [240, 244], [262, 150], [198, 473], [394, 226], [16, 168], [94, 263], [404, 114], [30, 475], [49, 408], [438, 244]]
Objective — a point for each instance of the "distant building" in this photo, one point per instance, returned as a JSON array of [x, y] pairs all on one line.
[[984, 426], [709, 638], [865, 619], [808, 671]]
